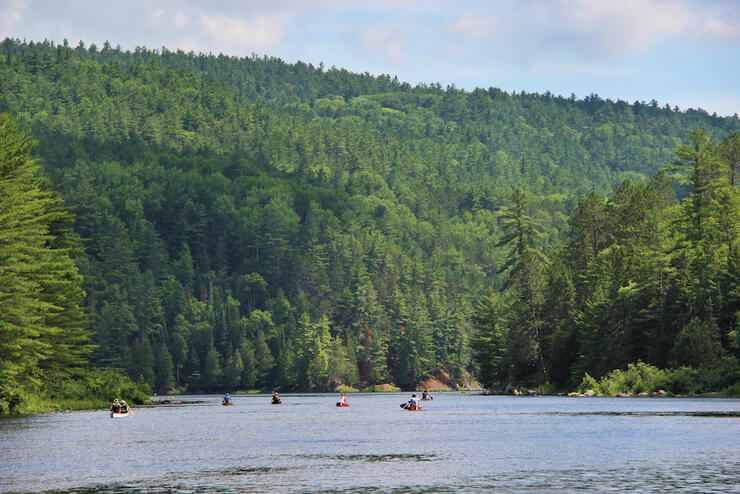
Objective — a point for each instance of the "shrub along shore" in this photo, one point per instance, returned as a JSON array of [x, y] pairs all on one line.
[[642, 380], [89, 389]]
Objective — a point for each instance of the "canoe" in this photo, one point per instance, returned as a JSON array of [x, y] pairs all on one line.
[[426, 399], [276, 402], [119, 415], [412, 409], [229, 404], [342, 404]]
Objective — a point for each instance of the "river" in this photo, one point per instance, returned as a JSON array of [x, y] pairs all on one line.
[[457, 443]]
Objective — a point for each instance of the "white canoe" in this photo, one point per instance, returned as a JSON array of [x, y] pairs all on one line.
[[119, 415]]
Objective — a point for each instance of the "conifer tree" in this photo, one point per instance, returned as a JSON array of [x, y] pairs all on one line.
[[249, 370], [488, 340], [41, 325], [265, 361], [164, 379], [524, 265]]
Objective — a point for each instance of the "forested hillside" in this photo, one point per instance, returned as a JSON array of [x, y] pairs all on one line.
[[248, 223]]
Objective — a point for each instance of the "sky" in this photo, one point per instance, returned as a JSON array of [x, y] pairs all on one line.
[[685, 53]]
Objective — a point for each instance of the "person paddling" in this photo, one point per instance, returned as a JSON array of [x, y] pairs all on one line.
[[226, 400], [413, 403], [275, 398], [115, 407], [342, 400]]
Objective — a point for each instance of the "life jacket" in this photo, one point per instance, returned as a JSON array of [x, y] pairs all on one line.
[[116, 408]]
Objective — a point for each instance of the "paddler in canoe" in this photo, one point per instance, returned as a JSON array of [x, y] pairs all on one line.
[[275, 398], [412, 405], [227, 400], [425, 396], [342, 400], [120, 409]]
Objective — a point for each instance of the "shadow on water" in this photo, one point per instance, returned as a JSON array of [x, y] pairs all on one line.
[[641, 414], [195, 482], [372, 458], [176, 483], [678, 478]]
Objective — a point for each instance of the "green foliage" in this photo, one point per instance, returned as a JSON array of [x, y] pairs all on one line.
[[327, 228], [693, 345], [43, 330], [164, 379], [587, 383], [11, 400], [640, 377], [488, 340], [100, 386], [382, 388], [525, 265]]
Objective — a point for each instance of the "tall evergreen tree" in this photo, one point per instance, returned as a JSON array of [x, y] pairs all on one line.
[[488, 339], [524, 264], [42, 328]]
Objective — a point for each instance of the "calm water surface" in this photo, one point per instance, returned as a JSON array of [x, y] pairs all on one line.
[[458, 443]]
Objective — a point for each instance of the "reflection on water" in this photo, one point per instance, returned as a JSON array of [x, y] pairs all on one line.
[[458, 443]]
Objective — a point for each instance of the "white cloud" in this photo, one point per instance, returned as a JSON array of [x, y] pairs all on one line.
[[722, 29], [382, 42], [11, 14], [479, 26], [256, 34], [159, 16], [178, 20], [584, 28], [624, 26]]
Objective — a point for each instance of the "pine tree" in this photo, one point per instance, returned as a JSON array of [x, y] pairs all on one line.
[[211, 377], [233, 371], [708, 227], [488, 341], [524, 264], [249, 363], [140, 366], [265, 362], [164, 379], [42, 328]]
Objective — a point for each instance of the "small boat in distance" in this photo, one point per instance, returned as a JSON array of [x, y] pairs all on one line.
[[120, 415]]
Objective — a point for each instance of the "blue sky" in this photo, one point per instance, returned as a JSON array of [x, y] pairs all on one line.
[[681, 52]]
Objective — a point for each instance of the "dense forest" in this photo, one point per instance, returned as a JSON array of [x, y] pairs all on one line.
[[244, 223]]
